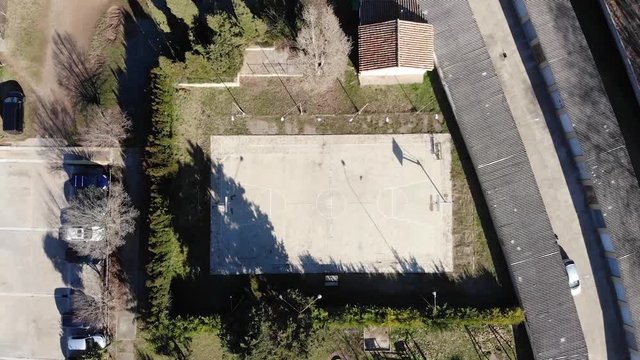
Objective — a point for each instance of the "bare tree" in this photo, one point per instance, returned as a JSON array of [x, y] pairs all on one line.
[[113, 212], [113, 295], [89, 310], [105, 128], [323, 46]]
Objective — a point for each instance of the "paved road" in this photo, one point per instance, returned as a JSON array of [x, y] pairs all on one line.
[[530, 118]]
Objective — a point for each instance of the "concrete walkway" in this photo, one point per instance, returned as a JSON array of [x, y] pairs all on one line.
[[545, 163]]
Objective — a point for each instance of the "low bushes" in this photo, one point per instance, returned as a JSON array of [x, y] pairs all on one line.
[[352, 316]]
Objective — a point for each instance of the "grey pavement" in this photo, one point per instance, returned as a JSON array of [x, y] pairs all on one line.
[[548, 170], [36, 280], [35, 276], [126, 320]]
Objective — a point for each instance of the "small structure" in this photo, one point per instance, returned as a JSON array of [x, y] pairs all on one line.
[[395, 44], [376, 339]]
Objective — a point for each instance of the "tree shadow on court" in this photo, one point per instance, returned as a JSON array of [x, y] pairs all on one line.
[[247, 231]]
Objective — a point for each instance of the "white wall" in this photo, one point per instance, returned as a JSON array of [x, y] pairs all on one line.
[[391, 76]]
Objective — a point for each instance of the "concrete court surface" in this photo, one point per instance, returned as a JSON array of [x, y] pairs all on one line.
[[331, 204], [545, 162], [34, 276]]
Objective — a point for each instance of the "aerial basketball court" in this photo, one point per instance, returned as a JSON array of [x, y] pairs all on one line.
[[331, 204]]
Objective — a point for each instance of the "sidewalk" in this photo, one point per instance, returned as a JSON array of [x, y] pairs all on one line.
[[126, 322]]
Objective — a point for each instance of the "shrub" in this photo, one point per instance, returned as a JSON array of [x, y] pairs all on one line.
[[253, 28], [183, 9], [353, 316]]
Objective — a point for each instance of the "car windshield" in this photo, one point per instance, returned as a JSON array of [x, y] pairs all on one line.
[[574, 284], [77, 233]]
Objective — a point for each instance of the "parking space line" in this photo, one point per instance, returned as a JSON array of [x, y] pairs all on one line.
[[64, 162], [27, 358], [6, 294], [39, 161], [37, 229]]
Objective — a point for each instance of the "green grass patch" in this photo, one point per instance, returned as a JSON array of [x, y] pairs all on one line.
[[158, 17]]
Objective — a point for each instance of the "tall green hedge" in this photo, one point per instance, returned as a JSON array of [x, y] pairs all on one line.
[[167, 255]]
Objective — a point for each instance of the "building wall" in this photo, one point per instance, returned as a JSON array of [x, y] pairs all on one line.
[[392, 76]]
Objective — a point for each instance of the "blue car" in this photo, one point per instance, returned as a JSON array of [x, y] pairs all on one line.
[[84, 180]]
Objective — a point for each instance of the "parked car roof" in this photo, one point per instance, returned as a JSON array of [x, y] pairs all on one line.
[[84, 342], [13, 112], [82, 233], [84, 180]]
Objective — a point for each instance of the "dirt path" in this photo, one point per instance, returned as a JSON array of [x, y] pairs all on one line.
[[77, 18]]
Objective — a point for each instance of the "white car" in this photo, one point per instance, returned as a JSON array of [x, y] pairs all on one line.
[[82, 343], [78, 233], [574, 279]]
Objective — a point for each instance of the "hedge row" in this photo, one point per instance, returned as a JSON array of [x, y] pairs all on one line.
[[354, 316], [167, 255]]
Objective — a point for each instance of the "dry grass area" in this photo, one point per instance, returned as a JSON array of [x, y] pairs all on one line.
[[277, 96], [471, 251], [448, 344], [455, 343], [385, 109], [27, 35], [204, 346]]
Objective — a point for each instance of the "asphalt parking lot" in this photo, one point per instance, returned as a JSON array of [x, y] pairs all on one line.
[[35, 278]]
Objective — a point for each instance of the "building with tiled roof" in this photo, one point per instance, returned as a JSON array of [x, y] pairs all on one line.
[[395, 50]]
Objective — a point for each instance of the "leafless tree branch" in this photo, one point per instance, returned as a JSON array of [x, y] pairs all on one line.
[[323, 46], [105, 128], [90, 310], [113, 212]]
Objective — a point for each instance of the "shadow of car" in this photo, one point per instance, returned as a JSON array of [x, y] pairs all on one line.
[[71, 256]]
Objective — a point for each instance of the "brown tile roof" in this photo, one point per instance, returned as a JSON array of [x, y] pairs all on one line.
[[395, 43]]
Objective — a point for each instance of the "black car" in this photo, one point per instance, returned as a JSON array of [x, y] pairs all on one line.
[[13, 112]]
